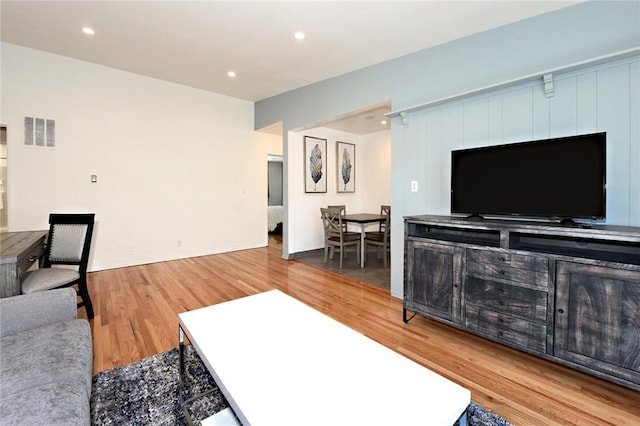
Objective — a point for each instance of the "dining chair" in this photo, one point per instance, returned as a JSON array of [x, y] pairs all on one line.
[[66, 257], [384, 211], [342, 207], [336, 235], [343, 211], [382, 237]]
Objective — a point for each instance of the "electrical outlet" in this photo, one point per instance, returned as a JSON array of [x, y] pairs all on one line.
[[414, 186], [94, 178]]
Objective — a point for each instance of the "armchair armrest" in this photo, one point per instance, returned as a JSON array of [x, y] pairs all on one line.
[[28, 311]]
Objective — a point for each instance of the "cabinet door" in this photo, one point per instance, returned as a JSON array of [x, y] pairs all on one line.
[[433, 280], [598, 318]]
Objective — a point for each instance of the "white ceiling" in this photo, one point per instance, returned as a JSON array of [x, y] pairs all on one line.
[[196, 43]]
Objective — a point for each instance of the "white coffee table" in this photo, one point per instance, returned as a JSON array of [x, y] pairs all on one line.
[[279, 362]]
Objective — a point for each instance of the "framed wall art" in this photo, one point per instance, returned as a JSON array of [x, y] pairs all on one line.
[[315, 164], [346, 166]]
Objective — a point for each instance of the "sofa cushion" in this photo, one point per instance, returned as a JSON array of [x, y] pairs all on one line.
[[50, 404], [27, 311], [56, 353]]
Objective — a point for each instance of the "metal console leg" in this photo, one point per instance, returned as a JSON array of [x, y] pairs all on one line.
[[462, 421], [187, 416], [404, 316], [181, 390]]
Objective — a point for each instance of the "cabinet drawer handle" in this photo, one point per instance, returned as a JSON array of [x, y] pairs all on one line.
[[561, 311], [501, 290], [500, 302], [500, 320], [502, 258], [32, 259], [501, 272], [500, 333]]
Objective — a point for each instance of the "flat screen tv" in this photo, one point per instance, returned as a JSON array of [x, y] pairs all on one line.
[[559, 179]]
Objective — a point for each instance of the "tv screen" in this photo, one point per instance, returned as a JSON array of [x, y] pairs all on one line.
[[554, 178]]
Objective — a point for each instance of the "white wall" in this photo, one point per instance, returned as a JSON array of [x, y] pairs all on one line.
[[374, 159], [372, 183], [180, 171]]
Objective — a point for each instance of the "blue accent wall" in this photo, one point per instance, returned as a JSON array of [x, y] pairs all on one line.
[[601, 98], [547, 41]]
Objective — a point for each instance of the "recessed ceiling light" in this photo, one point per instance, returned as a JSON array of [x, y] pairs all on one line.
[[88, 30], [383, 122], [231, 74], [299, 35]]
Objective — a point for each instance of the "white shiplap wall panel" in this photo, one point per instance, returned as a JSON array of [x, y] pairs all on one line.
[[634, 149], [541, 111], [613, 117], [414, 156], [423, 174], [587, 103], [517, 113], [476, 123], [435, 161], [605, 98], [495, 120], [452, 138], [562, 117]]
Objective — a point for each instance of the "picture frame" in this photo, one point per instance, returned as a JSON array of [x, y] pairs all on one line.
[[315, 165], [345, 167]]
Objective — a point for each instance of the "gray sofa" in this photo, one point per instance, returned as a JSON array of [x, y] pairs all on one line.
[[46, 360]]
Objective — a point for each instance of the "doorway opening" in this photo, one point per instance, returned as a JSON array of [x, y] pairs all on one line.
[[274, 199], [3, 179]]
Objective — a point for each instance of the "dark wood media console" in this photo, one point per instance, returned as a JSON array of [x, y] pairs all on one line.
[[565, 293]]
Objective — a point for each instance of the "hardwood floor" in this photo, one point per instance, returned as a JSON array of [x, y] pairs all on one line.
[[136, 316]]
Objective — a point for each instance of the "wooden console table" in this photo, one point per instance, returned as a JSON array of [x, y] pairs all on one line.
[[569, 294], [18, 252]]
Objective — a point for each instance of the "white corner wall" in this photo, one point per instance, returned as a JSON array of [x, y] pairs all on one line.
[[372, 183], [374, 159], [180, 171]]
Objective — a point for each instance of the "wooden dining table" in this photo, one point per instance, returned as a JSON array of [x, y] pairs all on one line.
[[363, 219]]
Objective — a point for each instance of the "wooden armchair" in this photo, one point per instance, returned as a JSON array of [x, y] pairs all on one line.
[[68, 244]]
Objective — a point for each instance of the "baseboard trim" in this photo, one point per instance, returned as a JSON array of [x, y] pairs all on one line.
[[300, 254]]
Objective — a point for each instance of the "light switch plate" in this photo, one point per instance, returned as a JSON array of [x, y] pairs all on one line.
[[94, 178], [414, 186]]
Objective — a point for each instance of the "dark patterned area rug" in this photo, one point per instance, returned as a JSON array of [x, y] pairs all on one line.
[[146, 392]]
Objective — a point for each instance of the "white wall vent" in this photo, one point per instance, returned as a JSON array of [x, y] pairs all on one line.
[[39, 132]]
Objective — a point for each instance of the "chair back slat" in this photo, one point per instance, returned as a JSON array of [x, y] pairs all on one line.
[[332, 221], [384, 225], [69, 239], [67, 242], [341, 207], [343, 210]]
